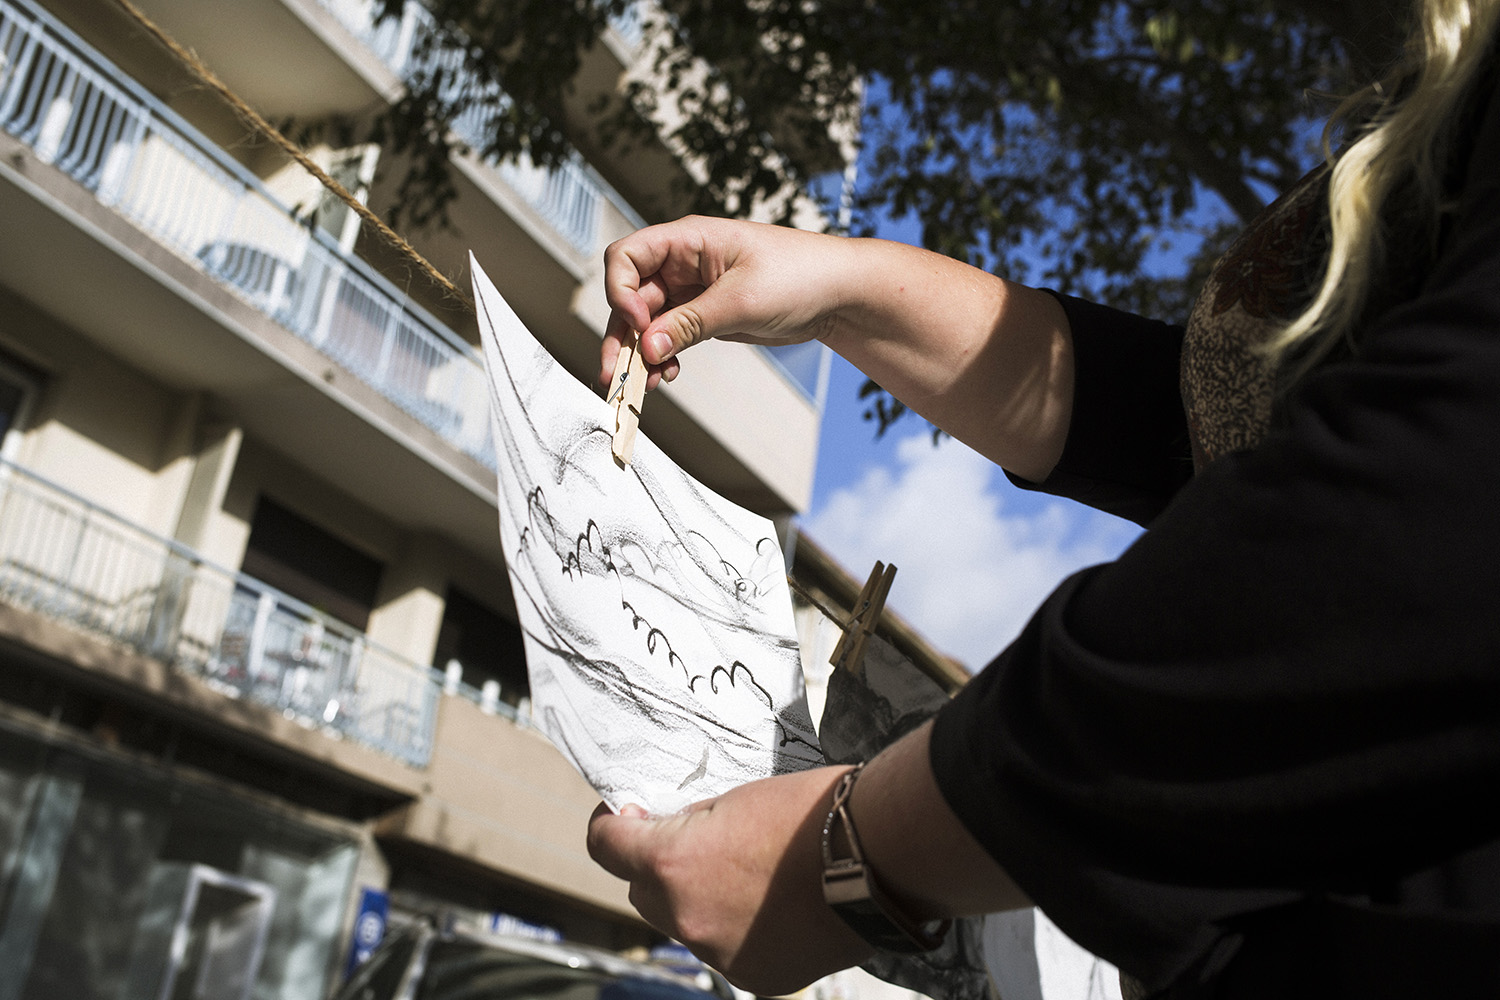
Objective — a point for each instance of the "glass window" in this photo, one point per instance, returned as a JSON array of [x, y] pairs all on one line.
[[301, 559], [120, 881], [18, 386], [383, 974], [485, 644]]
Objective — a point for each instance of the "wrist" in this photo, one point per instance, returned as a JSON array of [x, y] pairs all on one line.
[[928, 862], [852, 888], [851, 270]]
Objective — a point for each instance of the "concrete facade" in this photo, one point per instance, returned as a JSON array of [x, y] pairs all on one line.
[[245, 495]]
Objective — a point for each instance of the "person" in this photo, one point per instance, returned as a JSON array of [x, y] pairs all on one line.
[[1255, 756]]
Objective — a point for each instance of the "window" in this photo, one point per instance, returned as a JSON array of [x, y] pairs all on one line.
[[354, 169], [486, 645], [301, 559], [18, 387]]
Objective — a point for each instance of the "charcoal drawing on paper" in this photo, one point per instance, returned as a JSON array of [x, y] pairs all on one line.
[[657, 620]]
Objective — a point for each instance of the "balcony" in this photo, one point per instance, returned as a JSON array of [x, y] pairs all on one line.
[[570, 198], [80, 566], [78, 113]]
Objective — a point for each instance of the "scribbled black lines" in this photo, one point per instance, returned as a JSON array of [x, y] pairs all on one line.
[[737, 580], [732, 673], [588, 542], [590, 546], [789, 735], [585, 541], [744, 587], [741, 584], [655, 637]]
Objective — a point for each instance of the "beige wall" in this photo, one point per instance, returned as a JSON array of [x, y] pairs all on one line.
[[502, 796], [100, 428]]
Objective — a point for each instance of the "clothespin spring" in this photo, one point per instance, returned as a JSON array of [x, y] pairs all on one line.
[[628, 394]]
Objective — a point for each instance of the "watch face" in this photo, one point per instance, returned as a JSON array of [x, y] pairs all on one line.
[[867, 920]]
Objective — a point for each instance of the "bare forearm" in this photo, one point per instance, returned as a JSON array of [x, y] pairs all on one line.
[[987, 360], [923, 855]]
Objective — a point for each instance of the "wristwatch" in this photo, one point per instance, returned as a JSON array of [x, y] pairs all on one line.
[[852, 891]]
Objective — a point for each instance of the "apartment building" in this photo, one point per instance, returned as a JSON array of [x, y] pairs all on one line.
[[260, 678]]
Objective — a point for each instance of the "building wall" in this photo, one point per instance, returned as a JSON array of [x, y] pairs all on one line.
[[171, 729], [97, 421]]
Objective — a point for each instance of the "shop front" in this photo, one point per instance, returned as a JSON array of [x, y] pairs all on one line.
[[123, 879]]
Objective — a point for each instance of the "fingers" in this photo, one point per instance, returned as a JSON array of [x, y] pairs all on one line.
[[626, 846], [609, 352], [615, 336], [652, 279], [628, 263], [652, 294], [620, 843]]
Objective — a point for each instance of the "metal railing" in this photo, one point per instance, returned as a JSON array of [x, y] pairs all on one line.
[[74, 562], [567, 198], [79, 113]]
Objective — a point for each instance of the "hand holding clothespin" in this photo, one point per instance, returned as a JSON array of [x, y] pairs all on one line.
[[628, 394], [850, 652]]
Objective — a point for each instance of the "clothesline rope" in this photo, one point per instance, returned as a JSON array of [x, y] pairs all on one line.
[[258, 124]]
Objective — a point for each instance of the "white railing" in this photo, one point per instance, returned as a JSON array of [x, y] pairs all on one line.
[[568, 198], [79, 113], [78, 564]]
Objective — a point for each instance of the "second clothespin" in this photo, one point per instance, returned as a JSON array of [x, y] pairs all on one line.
[[849, 654], [627, 393]]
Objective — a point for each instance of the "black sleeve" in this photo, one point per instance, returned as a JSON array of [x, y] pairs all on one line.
[[1291, 683], [1127, 450]]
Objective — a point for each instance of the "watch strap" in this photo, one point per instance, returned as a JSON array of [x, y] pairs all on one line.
[[853, 892]]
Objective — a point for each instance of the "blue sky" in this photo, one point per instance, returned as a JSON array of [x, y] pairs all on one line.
[[974, 555]]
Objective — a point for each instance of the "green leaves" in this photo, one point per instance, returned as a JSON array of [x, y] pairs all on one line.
[[1096, 145]]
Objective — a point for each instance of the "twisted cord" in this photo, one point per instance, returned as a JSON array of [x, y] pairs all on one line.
[[257, 123]]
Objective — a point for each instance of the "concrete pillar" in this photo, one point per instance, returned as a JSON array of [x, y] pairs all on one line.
[[216, 449], [409, 608]]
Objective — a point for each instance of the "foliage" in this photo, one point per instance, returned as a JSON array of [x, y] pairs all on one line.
[[1079, 133]]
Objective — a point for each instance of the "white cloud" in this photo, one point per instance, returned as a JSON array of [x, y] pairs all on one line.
[[974, 556]]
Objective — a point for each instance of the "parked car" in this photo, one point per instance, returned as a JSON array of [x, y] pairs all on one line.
[[419, 962]]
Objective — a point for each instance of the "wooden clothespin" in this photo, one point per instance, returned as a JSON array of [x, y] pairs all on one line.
[[850, 652], [628, 394]]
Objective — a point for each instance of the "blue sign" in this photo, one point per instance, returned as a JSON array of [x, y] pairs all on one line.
[[369, 927], [505, 923], [677, 958]]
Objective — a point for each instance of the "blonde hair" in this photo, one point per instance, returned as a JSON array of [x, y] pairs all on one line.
[[1411, 118]]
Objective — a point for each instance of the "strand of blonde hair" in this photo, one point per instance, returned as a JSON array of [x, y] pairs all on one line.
[[1405, 143]]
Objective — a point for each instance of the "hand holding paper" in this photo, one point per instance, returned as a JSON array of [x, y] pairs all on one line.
[[657, 621]]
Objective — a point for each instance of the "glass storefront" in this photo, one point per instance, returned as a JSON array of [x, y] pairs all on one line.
[[120, 882]]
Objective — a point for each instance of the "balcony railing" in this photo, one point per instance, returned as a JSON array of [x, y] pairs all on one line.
[[75, 563], [568, 198], [79, 113]]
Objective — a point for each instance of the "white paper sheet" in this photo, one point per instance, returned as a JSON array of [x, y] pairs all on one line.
[[659, 635]]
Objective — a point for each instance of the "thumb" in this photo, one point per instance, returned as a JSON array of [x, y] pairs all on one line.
[[620, 843], [719, 310]]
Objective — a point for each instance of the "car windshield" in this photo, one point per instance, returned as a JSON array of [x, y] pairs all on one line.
[[459, 970]]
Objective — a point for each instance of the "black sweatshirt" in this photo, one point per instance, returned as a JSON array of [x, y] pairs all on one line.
[[1259, 754]]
